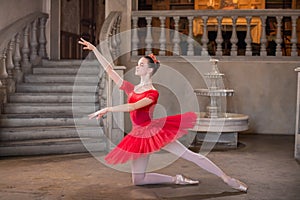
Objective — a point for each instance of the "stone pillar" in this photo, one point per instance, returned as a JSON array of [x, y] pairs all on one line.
[[115, 121], [297, 129]]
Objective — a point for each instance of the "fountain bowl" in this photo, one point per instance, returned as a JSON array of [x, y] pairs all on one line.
[[214, 93], [231, 122]]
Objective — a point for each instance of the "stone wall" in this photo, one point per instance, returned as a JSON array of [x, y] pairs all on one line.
[[13, 10], [264, 90]]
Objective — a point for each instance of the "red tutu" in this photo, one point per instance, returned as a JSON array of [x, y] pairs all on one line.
[[148, 135]]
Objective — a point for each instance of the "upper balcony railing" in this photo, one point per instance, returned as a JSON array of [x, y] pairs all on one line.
[[267, 32]]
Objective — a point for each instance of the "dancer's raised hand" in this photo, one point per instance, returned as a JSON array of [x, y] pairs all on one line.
[[99, 113], [86, 44]]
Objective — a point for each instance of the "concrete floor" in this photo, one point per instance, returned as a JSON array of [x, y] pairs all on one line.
[[264, 162]]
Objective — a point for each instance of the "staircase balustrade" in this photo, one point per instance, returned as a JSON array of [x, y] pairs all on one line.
[[109, 46], [206, 30], [20, 50]]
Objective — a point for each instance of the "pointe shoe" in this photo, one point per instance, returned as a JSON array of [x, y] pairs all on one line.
[[238, 185], [180, 180]]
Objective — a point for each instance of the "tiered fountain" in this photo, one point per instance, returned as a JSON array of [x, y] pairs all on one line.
[[216, 126]]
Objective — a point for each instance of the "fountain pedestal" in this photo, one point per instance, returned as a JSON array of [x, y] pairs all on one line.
[[213, 126]]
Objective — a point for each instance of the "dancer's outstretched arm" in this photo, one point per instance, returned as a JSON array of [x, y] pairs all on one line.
[[128, 107], [106, 65]]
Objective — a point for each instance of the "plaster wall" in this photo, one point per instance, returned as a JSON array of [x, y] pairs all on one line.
[[264, 90], [12, 10]]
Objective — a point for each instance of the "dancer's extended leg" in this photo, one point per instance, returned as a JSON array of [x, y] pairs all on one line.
[[140, 177], [180, 150]]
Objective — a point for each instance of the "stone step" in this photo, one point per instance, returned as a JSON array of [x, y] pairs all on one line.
[[68, 67], [65, 70], [65, 88], [52, 146], [59, 78], [51, 98], [27, 120], [70, 63], [59, 108], [50, 132], [48, 114]]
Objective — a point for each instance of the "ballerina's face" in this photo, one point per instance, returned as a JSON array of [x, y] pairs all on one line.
[[143, 69]]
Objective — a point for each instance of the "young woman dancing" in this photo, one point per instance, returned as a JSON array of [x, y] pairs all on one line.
[[149, 135]]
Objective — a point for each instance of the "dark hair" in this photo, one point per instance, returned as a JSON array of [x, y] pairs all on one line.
[[152, 64]]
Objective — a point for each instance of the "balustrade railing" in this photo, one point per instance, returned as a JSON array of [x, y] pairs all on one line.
[[110, 47], [23, 44], [266, 32]]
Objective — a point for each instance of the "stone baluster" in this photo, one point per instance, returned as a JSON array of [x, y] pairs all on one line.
[[204, 38], [118, 37], [234, 38], [135, 38], [149, 39], [101, 90], [42, 38], [294, 36], [3, 72], [190, 40], [113, 43], [248, 38], [33, 41], [162, 37], [219, 38], [263, 39], [3, 76], [10, 66], [17, 58], [25, 51], [9, 58], [278, 36], [176, 39]]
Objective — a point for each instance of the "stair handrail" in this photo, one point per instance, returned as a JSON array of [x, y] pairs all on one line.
[[109, 42], [16, 58], [109, 36]]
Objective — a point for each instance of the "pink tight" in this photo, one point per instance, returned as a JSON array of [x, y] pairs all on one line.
[[139, 177]]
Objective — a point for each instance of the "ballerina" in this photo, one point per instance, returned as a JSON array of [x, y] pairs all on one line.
[[150, 135]]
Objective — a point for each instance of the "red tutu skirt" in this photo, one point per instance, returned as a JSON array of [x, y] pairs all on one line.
[[151, 136]]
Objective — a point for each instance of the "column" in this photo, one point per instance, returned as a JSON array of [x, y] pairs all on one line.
[[248, 38], [278, 36], [234, 38], [135, 37], [204, 38], [190, 40], [219, 38], [162, 37], [176, 38], [263, 39], [148, 39]]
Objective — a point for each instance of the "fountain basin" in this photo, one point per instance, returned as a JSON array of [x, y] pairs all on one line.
[[214, 93], [219, 133], [232, 122]]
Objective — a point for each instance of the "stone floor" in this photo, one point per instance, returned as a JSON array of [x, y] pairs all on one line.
[[264, 162]]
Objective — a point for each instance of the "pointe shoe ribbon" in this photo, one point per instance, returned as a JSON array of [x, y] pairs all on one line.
[[180, 180]]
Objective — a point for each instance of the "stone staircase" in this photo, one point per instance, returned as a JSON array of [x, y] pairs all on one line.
[[48, 113]]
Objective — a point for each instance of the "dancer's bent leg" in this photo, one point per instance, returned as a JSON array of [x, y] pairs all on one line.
[[140, 177], [180, 150]]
